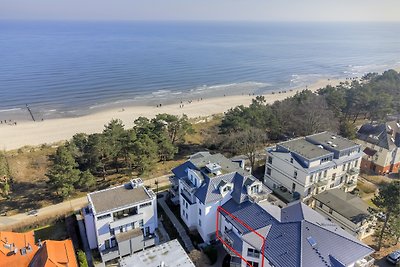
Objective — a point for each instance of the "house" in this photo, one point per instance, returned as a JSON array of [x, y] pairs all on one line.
[[207, 181], [17, 249], [347, 210], [121, 220], [380, 143], [20, 249], [261, 234], [306, 166], [167, 254], [55, 253]]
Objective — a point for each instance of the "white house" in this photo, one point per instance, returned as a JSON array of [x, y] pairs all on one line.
[[121, 220], [207, 181], [303, 167], [263, 235]]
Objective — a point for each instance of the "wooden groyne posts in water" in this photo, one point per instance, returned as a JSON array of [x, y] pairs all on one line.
[[30, 112]]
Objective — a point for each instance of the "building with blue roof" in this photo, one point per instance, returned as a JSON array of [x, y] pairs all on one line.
[[207, 181], [294, 236]]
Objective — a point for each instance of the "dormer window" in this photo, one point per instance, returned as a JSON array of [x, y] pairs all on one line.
[[254, 189]]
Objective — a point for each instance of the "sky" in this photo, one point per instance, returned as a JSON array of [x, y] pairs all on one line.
[[209, 10]]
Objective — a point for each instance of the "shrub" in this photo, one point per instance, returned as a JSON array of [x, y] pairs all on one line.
[[211, 253], [82, 259]]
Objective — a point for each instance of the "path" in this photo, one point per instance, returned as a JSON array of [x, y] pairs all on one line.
[[8, 222], [181, 230]]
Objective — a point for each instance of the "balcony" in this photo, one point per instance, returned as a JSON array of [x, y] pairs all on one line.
[[349, 186], [188, 186], [126, 220], [109, 254], [353, 171], [366, 262], [285, 195]]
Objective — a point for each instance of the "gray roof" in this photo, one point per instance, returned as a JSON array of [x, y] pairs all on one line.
[[209, 190], [340, 142], [348, 205], [304, 148], [117, 197], [386, 135], [301, 237], [201, 159], [129, 234], [170, 253]]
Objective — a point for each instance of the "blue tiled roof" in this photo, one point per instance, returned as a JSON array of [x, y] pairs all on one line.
[[180, 171], [287, 241]]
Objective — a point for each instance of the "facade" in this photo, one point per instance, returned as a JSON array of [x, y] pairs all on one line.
[[380, 143], [347, 210], [306, 166], [20, 249], [261, 234], [207, 181], [121, 220], [167, 254]]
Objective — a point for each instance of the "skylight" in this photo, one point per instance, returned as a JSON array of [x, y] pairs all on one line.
[[312, 241]]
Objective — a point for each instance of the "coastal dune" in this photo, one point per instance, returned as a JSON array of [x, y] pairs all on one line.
[[55, 130]]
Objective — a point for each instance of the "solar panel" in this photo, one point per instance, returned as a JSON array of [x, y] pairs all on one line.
[[312, 241]]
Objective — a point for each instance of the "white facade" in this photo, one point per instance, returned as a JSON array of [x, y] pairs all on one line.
[[110, 230], [294, 171]]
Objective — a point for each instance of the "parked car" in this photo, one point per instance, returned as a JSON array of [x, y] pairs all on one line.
[[394, 257], [32, 213], [381, 216]]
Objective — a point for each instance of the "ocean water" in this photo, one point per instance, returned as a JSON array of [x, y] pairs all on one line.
[[73, 68]]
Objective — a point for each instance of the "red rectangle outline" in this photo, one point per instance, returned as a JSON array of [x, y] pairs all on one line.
[[219, 210]]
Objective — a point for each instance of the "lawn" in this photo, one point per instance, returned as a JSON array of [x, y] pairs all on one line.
[[56, 231]]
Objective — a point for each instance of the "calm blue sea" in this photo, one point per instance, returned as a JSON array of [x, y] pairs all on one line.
[[72, 68]]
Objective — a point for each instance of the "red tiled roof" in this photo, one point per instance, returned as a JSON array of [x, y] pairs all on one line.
[[12, 247]]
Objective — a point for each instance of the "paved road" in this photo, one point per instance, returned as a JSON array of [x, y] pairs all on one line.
[[8, 222], [181, 231]]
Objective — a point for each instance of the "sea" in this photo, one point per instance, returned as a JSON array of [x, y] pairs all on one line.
[[69, 69]]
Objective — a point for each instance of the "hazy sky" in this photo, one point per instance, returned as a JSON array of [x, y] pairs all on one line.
[[268, 10]]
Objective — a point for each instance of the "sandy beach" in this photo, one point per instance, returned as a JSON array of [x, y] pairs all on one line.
[[55, 130]]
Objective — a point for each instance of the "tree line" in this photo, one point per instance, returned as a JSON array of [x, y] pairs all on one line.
[[330, 108], [78, 163]]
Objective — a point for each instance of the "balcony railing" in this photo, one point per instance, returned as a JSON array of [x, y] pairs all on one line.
[[353, 171], [126, 220], [109, 254]]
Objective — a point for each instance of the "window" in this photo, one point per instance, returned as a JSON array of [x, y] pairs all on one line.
[[330, 211], [333, 176], [253, 253], [113, 242], [291, 160], [332, 185], [183, 212], [187, 216], [355, 163], [293, 187], [121, 229], [295, 174], [341, 179], [141, 223], [133, 225], [199, 222], [269, 159], [186, 205], [268, 171], [325, 173], [309, 191], [103, 216], [319, 175], [145, 204], [112, 231], [107, 244], [199, 211], [253, 263], [343, 167], [311, 178], [321, 205], [124, 213]]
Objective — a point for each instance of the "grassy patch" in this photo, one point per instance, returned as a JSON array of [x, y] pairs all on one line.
[[377, 179], [366, 187], [56, 231], [203, 127]]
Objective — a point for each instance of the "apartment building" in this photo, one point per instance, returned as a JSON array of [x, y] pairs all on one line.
[[349, 211], [207, 181], [121, 220], [380, 143], [263, 235], [303, 167]]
